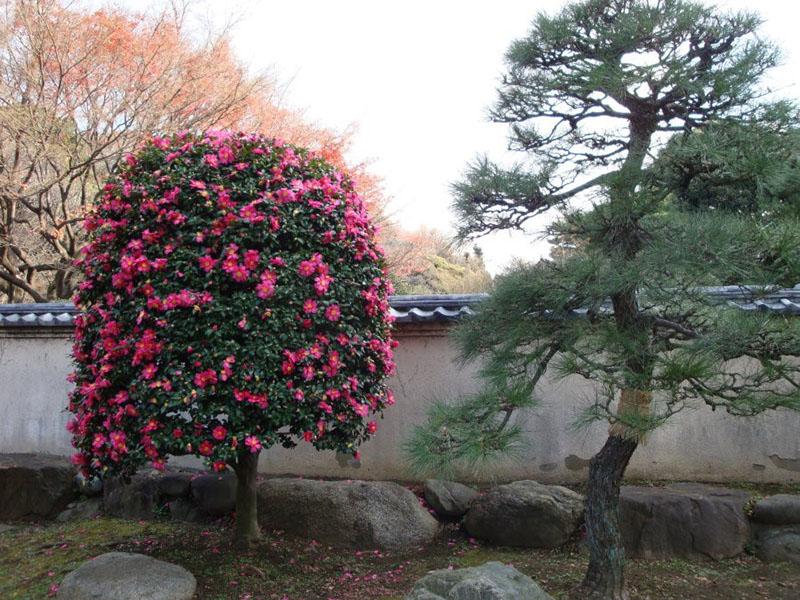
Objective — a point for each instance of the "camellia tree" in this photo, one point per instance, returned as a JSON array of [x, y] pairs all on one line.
[[588, 95], [234, 298]]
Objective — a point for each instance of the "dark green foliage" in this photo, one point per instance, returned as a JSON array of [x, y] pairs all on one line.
[[626, 306], [749, 165]]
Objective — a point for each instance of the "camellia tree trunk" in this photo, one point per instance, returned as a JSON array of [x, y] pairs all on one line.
[[247, 530]]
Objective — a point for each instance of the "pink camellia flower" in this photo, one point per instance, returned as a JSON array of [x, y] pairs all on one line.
[[333, 312], [249, 213], [219, 433], [225, 155], [322, 283], [205, 378], [206, 448], [265, 289], [372, 427], [251, 258], [219, 466], [239, 273], [307, 268], [118, 441], [266, 286], [207, 263], [149, 371], [211, 160], [308, 436], [310, 306], [253, 443]]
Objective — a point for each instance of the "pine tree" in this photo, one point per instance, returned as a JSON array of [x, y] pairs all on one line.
[[588, 95]]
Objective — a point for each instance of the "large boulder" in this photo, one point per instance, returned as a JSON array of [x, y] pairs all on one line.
[[778, 543], [356, 514], [448, 499], [780, 509], [684, 519], [215, 495], [35, 486], [525, 513], [490, 581], [136, 499], [124, 576]]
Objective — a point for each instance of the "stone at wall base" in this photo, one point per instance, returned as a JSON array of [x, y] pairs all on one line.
[[35, 486], [215, 494], [779, 509], [525, 514], [683, 520], [354, 514], [136, 500], [777, 543], [449, 499]]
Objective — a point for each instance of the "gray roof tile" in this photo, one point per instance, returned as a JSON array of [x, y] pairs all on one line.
[[428, 308]]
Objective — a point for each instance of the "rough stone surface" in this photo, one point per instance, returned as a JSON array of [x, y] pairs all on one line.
[[490, 581], [683, 520], [778, 543], [182, 509], [780, 509], [448, 498], [526, 514], [136, 500], [124, 576], [34, 485], [356, 514], [81, 510], [215, 495], [175, 484]]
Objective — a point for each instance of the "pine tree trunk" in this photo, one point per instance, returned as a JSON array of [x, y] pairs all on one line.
[[247, 530], [605, 577]]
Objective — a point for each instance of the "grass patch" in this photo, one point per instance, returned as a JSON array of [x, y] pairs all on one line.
[[35, 557]]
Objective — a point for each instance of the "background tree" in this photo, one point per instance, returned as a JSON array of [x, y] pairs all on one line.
[[79, 89], [234, 298], [587, 94], [430, 264]]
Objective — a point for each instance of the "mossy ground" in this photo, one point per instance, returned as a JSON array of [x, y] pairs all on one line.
[[34, 558]]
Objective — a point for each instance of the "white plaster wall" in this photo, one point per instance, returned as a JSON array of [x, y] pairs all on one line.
[[696, 444], [33, 393]]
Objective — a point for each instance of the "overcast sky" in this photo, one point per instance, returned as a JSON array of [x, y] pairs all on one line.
[[417, 77]]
